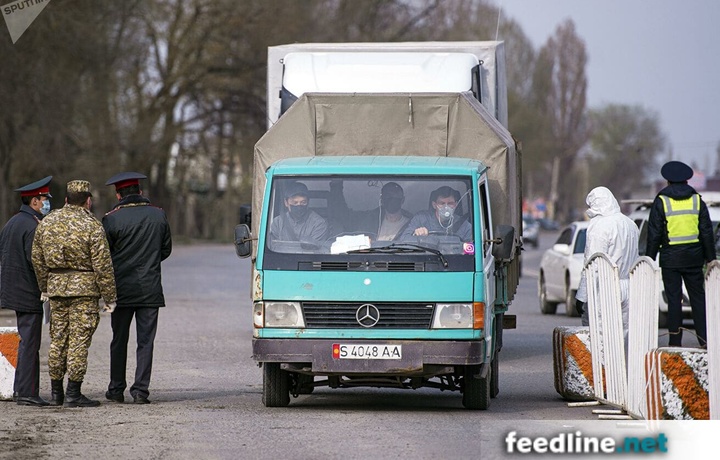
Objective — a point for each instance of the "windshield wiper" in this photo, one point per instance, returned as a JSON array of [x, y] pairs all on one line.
[[402, 248]]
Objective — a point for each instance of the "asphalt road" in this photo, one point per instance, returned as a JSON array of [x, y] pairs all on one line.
[[206, 389]]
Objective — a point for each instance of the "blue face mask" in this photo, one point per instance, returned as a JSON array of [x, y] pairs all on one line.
[[45, 208]]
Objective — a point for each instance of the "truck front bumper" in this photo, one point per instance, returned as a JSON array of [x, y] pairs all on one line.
[[415, 354]]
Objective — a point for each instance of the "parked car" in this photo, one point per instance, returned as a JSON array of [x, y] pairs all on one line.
[[640, 217], [560, 269], [531, 231], [548, 224]]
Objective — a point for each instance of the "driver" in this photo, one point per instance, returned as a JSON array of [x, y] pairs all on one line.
[[441, 219], [299, 223]]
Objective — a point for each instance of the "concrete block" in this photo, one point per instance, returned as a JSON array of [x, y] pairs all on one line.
[[677, 384], [572, 363], [9, 341]]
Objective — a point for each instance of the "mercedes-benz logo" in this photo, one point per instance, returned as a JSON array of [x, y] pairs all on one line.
[[367, 315]]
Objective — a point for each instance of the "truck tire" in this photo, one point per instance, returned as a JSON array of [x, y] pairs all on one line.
[[476, 392], [276, 386], [546, 307], [570, 309]]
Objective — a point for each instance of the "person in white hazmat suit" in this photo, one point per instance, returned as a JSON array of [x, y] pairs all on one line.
[[615, 235]]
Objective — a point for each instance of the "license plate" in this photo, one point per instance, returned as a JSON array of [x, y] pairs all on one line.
[[366, 351]]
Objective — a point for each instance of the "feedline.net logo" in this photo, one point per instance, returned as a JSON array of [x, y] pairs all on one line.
[[20, 14], [577, 443]]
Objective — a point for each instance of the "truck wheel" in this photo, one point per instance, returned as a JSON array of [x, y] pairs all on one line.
[[276, 386], [570, 309], [476, 392], [546, 307]]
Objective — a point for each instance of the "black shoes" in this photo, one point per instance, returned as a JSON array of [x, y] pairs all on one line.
[[114, 397], [140, 399], [75, 398], [36, 401], [57, 395]]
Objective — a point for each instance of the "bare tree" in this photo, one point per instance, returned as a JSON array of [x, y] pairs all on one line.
[[560, 87]]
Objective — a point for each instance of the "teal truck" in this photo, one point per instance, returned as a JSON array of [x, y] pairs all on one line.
[[343, 297]]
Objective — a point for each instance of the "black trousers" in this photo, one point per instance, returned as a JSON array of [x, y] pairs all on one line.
[[27, 372], [145, 326], [695, 285]]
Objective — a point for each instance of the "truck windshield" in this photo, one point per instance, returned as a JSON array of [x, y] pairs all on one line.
[[346, 215]]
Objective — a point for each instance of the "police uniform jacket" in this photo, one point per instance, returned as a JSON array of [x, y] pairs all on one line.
[[139, 238], [18, 285], [679, 255], [71, 255]]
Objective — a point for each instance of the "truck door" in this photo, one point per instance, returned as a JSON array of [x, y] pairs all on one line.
[[487, 235]]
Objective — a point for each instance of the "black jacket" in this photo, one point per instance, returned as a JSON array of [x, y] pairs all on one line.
[[139, 238], [679, 255], [19, 289]]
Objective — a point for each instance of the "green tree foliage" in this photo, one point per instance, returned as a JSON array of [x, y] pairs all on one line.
[[624, 138]]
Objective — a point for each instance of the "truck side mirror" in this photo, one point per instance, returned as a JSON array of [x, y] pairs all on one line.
[[504, 243], [243, 242]]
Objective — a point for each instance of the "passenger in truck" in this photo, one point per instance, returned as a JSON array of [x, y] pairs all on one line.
[[299, 222]]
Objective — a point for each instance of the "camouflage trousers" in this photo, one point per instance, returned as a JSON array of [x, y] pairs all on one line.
[[73, 321]]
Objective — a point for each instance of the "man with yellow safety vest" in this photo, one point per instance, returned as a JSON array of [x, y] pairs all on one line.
[[679, 227]]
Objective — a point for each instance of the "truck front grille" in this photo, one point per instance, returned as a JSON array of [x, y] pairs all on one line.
[[392, 315]]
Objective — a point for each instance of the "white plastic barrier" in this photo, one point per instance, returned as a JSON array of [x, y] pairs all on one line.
[[9, 341], [606, 331], [712, 303], [643, 330]]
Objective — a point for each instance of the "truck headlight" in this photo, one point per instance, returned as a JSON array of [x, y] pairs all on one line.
[[283, 314], [453, 316]]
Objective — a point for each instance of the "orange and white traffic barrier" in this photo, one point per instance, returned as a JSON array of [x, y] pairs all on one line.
[[9, 341], [572, 363], [677, 380]]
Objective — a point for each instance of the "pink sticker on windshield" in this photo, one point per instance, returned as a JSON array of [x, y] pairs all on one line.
[[468, 248]]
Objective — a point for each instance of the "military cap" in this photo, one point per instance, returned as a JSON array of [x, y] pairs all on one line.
[[40, 187], [125, 179], [296, 188], [676, 171], [78, 186]]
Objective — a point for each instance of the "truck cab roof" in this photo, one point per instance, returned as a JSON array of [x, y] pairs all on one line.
[[377, 164]]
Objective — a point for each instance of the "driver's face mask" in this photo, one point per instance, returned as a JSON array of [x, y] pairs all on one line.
[[445, 211]]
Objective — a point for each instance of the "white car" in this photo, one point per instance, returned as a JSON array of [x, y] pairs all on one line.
[[560, 270], [640, 217]]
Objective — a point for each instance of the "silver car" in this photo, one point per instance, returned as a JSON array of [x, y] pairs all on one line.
[[560, 270]]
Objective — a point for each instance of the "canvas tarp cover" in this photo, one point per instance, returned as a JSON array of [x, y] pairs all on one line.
[[453, 125]]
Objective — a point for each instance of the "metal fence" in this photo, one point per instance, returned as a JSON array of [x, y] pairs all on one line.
[[712, 302], [645, 282], [606, 331]]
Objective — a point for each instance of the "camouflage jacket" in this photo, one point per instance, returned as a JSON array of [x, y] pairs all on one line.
[[71, 255]]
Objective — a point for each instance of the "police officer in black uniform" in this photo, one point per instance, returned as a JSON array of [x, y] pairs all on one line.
[[139, 238], [19, 288], [679, 227]]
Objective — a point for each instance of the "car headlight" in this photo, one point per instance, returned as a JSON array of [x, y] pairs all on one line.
[[453, 316], [283, 314]]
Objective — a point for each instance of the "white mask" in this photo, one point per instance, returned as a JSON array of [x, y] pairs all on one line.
[[45, 208]]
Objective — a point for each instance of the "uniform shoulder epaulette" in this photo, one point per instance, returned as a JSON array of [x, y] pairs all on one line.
[[111, 211]]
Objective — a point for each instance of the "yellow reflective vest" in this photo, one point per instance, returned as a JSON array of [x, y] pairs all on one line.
[[682, 217]]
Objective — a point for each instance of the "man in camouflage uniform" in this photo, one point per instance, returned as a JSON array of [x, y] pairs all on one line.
[[74, 269]]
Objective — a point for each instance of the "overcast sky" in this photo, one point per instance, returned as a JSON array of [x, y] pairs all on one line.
[[661, 54]]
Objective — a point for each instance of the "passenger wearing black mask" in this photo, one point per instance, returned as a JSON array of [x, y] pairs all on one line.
[[299, 223]]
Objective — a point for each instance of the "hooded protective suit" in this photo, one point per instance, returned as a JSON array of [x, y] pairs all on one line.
[[615, 235]]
